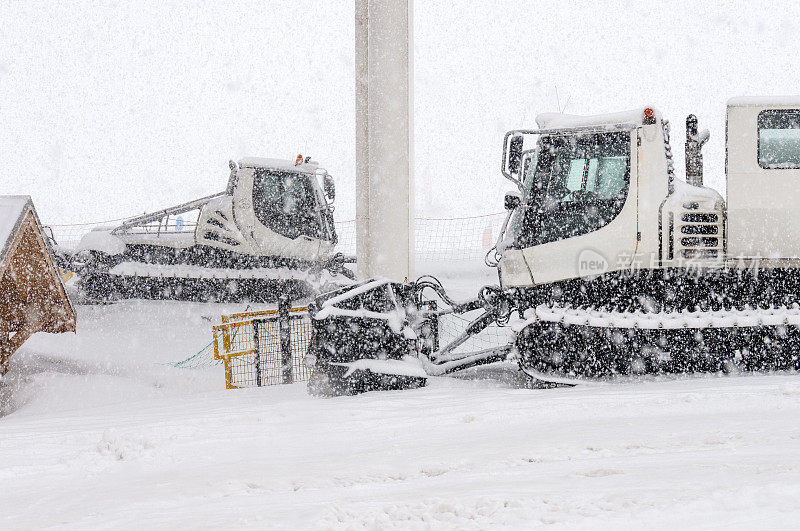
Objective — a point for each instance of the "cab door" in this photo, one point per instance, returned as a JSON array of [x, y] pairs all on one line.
[[584, 221], [279, 212]]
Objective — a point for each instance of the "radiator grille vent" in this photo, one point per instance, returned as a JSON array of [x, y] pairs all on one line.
[[698, 234]]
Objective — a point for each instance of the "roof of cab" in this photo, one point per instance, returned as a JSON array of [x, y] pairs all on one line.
[[764, 101], [277, 164], [552, 120]]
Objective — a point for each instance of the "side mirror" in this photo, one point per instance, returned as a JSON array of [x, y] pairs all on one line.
[[512, 200], [515, 154], [329, 187]]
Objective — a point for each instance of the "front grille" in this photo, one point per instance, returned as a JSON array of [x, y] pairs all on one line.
[[699, 242], [700, 218], [700, 229], [699, 253], [699, 235]]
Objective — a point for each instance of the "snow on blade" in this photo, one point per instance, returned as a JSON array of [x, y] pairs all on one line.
[[406, 367]]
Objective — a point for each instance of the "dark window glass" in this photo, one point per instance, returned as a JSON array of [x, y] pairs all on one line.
[[779, 139], [285, 203], [578, 185]]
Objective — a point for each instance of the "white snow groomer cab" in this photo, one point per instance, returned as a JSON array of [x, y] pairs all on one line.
[[612, 265], [270, 233]]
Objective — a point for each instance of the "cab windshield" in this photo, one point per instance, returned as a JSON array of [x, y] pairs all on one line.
[[578, 184], [285, 203]]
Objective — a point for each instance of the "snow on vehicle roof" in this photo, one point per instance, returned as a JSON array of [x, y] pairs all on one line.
[[554, 120], [276, 164], [12, 211], [764, 101]]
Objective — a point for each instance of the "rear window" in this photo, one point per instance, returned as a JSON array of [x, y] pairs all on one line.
[[779, 139]]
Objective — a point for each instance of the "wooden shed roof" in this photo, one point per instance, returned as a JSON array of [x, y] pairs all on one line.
[[29, 280], [12, 213]]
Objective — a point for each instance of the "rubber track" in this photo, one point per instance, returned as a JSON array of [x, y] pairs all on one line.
[[102, 287], [576, 351]]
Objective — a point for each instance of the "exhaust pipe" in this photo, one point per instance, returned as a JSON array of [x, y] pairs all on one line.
[[694, 145]]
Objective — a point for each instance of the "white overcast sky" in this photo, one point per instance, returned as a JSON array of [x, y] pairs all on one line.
[[109, 109]]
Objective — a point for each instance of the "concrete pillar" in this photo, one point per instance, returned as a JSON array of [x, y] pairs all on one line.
[[384, 143]]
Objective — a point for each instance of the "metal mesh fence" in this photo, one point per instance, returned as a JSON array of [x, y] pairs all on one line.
[[240, 372], [435, 239], [253, 348], [452, 325], [202, 359], [440, 239], [67, 236], [269, 357]]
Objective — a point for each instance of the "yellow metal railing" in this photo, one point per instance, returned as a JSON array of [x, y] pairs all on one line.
[[260, 313], [249, 344]]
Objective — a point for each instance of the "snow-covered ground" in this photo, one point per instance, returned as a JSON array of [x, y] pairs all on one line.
[[100, 431], [109, 109]]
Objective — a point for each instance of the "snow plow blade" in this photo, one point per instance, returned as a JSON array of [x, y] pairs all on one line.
[[382, 335], [361, 341]]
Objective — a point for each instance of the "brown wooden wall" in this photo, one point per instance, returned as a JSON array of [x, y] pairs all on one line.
[[32, 297]]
